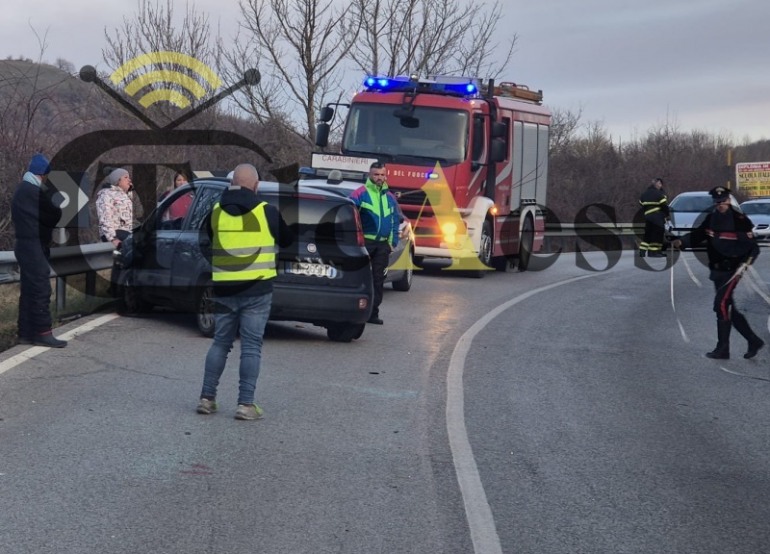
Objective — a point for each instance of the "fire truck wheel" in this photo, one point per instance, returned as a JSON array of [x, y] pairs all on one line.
[[485, 251], [486, 244], [526, 243]]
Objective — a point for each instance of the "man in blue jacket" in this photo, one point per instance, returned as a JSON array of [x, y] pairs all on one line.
[[35, 215], [380, 220]]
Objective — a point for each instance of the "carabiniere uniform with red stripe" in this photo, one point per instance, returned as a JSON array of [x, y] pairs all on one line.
[[731, 248]]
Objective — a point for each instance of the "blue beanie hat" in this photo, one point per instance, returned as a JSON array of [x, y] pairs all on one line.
[[39, 165]]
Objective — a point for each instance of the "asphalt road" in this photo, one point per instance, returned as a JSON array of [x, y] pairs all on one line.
[[556, 411]]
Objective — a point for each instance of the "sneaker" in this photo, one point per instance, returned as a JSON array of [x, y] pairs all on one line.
[[206, 406], [248, 412]]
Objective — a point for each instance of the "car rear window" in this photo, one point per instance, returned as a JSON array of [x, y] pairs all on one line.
[[312, 218], [318, 219]]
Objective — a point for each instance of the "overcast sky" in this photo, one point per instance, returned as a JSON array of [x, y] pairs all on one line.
[[632, 65]]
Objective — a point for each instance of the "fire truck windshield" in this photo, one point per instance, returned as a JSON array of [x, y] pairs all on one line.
[[430, 133]]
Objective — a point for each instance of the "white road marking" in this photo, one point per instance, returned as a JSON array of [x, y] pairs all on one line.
[[33, 351], [477, 510], [743, 374]]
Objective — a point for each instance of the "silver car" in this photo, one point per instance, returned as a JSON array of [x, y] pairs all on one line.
[[758, 211], [688, 209]]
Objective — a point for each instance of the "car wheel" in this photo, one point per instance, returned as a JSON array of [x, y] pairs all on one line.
[[130, 300], [344, 332], [404, 283], [204, 311], [526, 243]]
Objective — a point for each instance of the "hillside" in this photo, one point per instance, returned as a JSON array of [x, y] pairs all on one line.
[[54, 91]]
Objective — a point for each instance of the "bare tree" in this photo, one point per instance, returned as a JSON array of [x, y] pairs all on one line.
[[564, 128], [155, 28], [35, 116], [303, 44], [429, 37]]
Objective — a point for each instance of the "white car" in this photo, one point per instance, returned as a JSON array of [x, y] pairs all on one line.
[[758, 211]]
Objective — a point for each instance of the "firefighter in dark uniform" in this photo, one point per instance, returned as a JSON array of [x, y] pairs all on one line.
[[655, 205], [731, 248], [35, 215]]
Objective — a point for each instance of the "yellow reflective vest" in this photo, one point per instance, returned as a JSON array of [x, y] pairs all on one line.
[[243, 248]]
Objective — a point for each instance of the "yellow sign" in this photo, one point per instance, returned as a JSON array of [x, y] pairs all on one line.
[[753, 179], [181, 79], [447, 214]]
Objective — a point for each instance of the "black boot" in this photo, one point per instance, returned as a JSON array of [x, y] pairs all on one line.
[[742, 326], [642, 253], [722, 351], [47, 339], [754, 347]]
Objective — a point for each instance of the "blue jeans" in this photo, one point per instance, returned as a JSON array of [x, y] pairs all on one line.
[[250, 314]]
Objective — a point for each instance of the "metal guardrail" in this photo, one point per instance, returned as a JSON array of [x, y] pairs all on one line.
[[88, 259], [66, 261], [593, 229]]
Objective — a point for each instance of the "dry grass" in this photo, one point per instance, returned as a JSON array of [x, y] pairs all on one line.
[[77, 304]]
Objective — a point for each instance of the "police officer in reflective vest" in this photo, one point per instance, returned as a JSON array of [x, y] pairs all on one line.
[[731, 248], [243, 233], [655, 205], [380, 220]]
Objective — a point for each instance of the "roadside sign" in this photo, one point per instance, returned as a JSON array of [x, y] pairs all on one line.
[[345, 163], [753, 179]]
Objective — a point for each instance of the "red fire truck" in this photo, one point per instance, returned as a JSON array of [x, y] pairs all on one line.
[[467, 161]]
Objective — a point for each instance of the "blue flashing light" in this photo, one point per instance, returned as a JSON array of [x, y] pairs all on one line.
[[463, 89], [396, 84], [306, 172], [386, 83]]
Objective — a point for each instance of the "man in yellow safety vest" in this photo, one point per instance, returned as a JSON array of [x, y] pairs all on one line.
[[244, 232]]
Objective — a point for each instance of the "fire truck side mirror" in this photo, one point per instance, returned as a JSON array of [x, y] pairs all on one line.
[[326, 115], [498, 129], [322, 134], [497, 153], [478, 139]]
